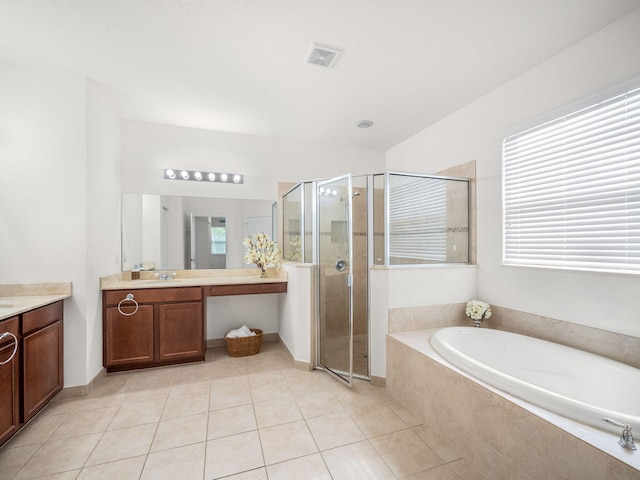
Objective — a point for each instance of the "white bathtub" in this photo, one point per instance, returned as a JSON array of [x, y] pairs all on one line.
[[570, 382]]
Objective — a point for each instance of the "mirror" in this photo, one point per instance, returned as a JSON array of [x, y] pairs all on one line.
[[157, 230]]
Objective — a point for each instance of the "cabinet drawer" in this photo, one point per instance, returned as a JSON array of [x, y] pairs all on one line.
[[154, 295], [41, 317]]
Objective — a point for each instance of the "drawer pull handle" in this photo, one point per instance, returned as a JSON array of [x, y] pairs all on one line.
[[15, 346], [128, 298]]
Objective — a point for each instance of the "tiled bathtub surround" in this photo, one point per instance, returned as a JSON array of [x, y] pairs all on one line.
[[622, 348], [501, 436]]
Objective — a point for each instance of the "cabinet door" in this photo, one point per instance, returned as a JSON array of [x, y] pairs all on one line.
[[180, 331], [128, 339], [42, 369], [9, 382]]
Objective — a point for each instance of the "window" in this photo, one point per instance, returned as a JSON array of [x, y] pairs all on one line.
[[571, 190], [218, 240]]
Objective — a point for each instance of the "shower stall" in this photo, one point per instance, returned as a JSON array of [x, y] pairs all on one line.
[[346, 226]]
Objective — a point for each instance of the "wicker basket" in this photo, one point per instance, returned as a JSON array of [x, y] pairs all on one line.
[[244, 346]]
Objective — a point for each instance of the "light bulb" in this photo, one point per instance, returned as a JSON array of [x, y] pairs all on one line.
[[184, 174], [223, 177], [212, 177], [198, 175], [171, 174]]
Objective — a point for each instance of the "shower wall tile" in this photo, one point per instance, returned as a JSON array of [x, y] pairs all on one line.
[[468, 170]]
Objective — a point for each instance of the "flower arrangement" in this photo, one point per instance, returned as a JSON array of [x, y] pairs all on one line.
[[262, 251], [477, 311]]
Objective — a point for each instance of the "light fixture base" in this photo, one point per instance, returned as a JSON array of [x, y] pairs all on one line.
[[203, 177]]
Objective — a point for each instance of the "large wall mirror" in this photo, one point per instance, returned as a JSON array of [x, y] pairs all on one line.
[[165, 232]]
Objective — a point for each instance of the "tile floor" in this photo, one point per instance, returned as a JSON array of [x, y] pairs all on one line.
[[250, 418]]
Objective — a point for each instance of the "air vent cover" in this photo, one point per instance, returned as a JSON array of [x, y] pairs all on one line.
[[323, 56]]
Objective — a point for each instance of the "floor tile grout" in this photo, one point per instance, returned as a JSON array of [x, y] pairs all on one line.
[[261, 385]]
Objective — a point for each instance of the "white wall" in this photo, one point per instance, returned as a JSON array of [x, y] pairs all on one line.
[[147, 149], [605, 58], [57, 226], [412, 286], [294, 325], [103, 214], [150, 148], [230, 312]]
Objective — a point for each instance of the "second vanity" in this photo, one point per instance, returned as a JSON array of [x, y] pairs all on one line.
[[151, 322], [31, 351]]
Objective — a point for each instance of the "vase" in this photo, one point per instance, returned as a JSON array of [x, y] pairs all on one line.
[[263, 272], [478, 322]]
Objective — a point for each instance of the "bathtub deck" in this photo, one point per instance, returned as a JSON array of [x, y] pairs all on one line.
[[451, 408]]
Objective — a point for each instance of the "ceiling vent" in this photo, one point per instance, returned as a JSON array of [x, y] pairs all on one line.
[[323, 56]]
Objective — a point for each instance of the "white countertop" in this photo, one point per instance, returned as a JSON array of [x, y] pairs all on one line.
[[192, 278], [19, 298]]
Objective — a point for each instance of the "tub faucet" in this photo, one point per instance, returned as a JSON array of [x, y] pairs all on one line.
[[626, 437]]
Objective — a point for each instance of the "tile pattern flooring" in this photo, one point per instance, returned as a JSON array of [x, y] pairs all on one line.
[[249, 418]]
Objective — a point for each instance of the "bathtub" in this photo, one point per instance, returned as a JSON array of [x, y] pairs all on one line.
[[570, 382]]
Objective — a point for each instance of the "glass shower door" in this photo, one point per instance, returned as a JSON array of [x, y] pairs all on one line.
[[335, 298]]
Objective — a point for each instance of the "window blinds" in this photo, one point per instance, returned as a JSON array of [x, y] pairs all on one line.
[[571, 190], [417, 218]]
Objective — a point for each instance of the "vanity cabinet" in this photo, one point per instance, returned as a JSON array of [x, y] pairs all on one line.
[[129, 338], [157, 326], [32, 370], [42, 353], [9, 379]]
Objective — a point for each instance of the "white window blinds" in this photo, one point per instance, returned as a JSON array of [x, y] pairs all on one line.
[[417, 218], [571, 190]]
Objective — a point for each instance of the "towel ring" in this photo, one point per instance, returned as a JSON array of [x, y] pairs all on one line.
[[15, 346], [128, 298]]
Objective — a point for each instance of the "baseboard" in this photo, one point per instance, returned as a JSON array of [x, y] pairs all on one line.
[[297, 364], [378, 381], [81, 390]]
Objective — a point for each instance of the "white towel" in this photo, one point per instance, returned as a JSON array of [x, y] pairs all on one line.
[[243, 331]]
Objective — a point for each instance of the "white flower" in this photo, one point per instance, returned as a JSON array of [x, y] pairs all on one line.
[[261, 250], [477, 310]]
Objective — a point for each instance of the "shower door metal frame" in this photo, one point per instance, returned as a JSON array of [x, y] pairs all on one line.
[[348, 378]]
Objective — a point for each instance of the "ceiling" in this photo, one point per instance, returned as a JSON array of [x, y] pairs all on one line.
[[238, 65]]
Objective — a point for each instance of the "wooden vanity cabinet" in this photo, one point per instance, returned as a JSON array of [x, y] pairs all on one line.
[[9, 380], [167, 328], [180, 331], [42, 354], [130, 338]]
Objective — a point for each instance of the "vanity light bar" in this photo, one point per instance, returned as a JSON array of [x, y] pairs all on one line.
[[197, 176]]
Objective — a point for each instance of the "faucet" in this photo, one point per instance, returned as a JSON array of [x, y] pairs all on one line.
[[165, 275], [626, 437]]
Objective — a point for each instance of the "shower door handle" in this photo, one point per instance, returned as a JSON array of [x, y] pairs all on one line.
[[341, 265]]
